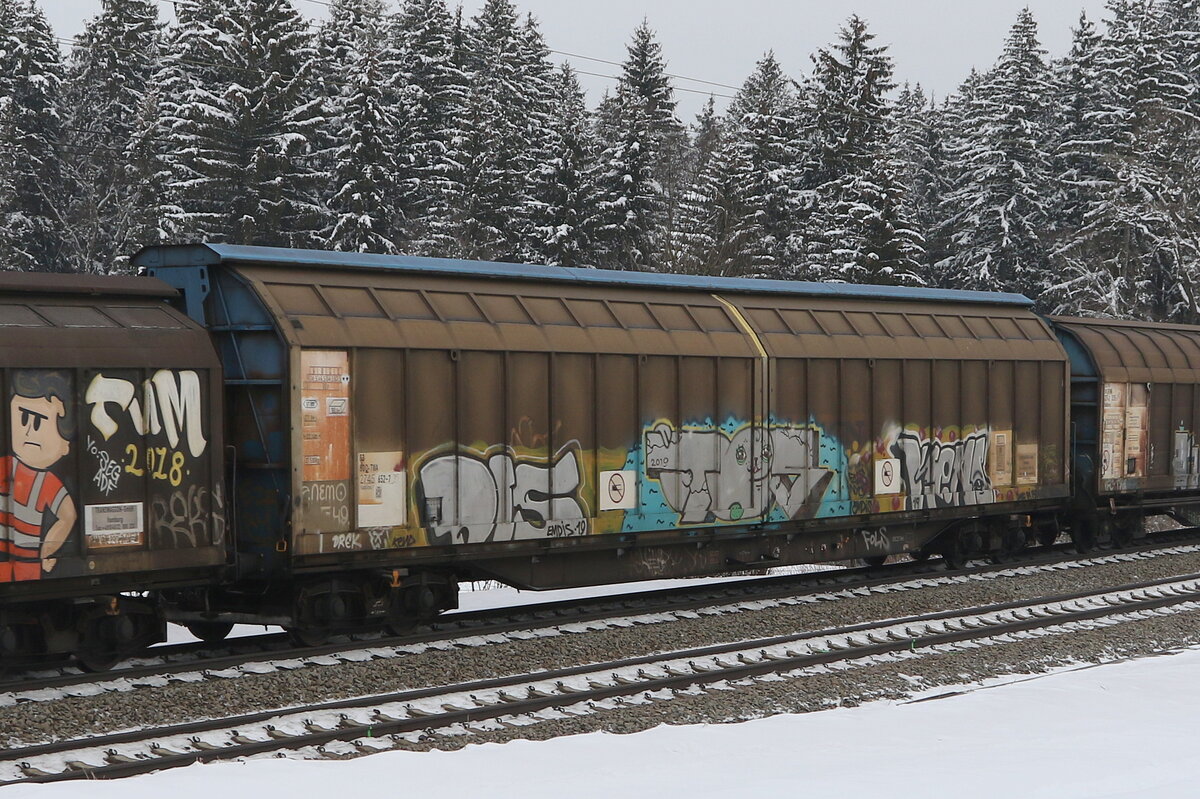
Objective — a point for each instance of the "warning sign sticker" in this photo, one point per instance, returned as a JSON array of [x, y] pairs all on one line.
[[618, 490]]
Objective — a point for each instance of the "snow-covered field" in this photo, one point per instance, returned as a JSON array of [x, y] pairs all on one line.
[[1121, 730]]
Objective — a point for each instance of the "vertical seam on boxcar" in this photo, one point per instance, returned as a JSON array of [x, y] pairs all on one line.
[[744, 324]]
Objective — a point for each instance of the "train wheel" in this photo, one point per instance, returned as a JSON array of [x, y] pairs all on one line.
[[100, 647], [954, 551], [210, 632], [309, 636], [400, 625], [1083, 535], [875, 561], [1013, 544]]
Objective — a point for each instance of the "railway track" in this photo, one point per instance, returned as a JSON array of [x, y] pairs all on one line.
[[382, 721], [255, 654], [197, 661]]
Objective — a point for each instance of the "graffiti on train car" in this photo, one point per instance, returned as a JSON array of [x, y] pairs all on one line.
[[171, 404], [39, 511], [708, 473], [149, 462], [468, 496], [943, 471]]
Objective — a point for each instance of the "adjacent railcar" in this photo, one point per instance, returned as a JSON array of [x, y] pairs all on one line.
[[398, 424], [1135, 407], [111, 481]]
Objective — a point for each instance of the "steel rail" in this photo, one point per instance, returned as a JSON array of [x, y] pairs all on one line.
[[511, 619], [507, 705]]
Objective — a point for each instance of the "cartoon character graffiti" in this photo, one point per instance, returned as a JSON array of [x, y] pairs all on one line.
[[38, 512]]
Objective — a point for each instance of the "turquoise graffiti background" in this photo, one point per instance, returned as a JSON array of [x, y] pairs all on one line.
[[653, 512]]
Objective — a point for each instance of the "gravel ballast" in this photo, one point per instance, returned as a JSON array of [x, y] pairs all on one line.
[[150, 706]]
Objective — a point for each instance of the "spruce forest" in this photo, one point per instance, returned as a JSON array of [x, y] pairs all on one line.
[[414, 129]]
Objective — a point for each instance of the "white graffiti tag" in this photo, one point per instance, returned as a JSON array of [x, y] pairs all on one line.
[[942, 474], [171, 403], [706, 474], [499, 498], [108, 474]]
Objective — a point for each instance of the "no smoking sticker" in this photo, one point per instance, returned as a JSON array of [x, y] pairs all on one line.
[[618, 490], [887, 476]]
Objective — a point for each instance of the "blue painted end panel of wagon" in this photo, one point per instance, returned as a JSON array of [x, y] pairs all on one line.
[[255, 362]]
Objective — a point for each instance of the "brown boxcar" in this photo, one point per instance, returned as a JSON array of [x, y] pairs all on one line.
[[420, 420], [1136, 409], [112, 479]]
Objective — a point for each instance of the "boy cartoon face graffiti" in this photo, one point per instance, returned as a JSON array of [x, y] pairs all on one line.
[[36, 440], [37, 513]]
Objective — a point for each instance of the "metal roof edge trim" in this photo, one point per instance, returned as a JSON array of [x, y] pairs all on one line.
[[1145, 326], [74, 284], [210, 254]]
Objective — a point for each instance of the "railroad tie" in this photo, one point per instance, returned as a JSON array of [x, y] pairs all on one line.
[[116, 758], [158, 750], [567, 689], [202, 745], [313, 727]]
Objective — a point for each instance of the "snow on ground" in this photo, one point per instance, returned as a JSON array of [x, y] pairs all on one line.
[[1118, 731], [481, 596], [487, 595]]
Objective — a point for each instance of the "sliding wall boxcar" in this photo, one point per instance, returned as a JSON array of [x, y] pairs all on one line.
[[1136, 405], [489, 418]]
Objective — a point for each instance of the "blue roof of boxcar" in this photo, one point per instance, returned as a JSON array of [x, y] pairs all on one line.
[[209, 254]]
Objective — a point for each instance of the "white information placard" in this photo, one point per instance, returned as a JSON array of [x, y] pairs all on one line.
[[382, 499]]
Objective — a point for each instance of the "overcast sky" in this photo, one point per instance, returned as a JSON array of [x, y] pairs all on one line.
[[933, 42]]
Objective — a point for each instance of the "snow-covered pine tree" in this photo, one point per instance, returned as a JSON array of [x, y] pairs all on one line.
[[706, 136], [495, 152], [719, 229], [31, 226], [630, 204], [564, 212], [1135, 253], [762, 122], [921, 167], [353, 29], [430, 88], [1078, 173], [109, 75], [644, 168], [645, 80], [241, 122], [10, 233], [364, 166], [1001, 200], [693, 239], [147, 174], [856, 230], [542, 99]]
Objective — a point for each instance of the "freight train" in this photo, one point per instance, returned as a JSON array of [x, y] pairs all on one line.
[[332, 441]]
